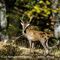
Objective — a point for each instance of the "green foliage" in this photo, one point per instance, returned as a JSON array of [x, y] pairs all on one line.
[[12, 30], [40, 9]]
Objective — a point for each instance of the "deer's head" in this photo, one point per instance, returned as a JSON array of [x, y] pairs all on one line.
[[25, 24]]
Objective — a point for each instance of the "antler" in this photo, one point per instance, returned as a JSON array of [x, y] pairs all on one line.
[[31, 18], [22, 18]]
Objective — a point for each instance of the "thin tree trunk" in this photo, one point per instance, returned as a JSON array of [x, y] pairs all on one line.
[[54, 15], [3, 21]]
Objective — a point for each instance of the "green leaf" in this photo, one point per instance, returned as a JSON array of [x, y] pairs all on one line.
[[37, 8], [45, 10], [41, 2], [48, 12], [55, 11], [45, 15], [47, 2]]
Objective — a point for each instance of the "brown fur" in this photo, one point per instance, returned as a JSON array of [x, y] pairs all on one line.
[[34, 35]]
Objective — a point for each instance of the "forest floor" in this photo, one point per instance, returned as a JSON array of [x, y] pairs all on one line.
[[10, 49]]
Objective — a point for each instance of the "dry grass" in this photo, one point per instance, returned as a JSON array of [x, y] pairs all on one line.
[[13, 49]]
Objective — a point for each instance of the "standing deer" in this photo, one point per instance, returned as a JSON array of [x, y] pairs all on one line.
[[33, 35]]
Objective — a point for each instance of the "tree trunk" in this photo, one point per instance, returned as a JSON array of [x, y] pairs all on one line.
[[54, 19], [3, 21]]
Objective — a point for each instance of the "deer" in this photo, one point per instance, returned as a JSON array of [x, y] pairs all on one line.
[[33, 35]]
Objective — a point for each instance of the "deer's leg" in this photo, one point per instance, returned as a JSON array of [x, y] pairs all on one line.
[[43, 44], [52, 46], [47, 44], [30, 43], [33, 46]]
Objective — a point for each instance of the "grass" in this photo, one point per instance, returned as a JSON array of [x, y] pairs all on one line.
[[12, 49]]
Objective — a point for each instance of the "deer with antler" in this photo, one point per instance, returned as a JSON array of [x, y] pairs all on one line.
[[33, 35]]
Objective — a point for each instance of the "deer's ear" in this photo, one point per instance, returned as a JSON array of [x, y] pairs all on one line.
[[28, 24], [21, 23]]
